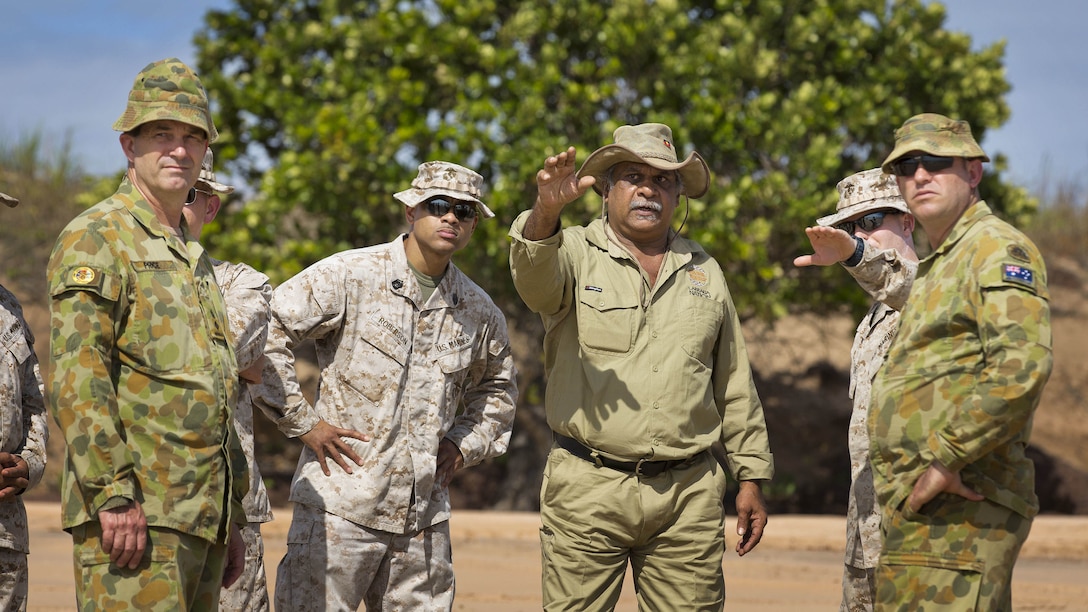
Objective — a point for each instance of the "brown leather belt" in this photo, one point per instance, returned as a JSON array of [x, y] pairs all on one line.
[[638, 468]]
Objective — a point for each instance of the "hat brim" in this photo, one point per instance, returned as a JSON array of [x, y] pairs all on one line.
[[414, 197], [925, 145], [217, 186], [694, 172], [861, 208], [139, 113]]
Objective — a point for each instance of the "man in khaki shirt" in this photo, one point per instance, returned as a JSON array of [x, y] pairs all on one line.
[[647, 370]]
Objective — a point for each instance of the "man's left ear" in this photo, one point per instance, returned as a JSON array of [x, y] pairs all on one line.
[[974, 172], [212, 209]]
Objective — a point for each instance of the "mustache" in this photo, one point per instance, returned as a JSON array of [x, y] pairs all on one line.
[[654, 206]]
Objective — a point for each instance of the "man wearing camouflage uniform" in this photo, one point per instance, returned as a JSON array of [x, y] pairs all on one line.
[[952, 407], [871, 235], [414, 355], [247, 294], [23, 434], [143, 377]]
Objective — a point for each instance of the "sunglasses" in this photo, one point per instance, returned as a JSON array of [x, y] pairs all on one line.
[[190, 199], [907, 166], [867, 223], [439, 207]]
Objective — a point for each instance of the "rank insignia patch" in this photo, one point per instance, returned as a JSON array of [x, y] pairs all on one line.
[[1018, 253], [1012, 273]]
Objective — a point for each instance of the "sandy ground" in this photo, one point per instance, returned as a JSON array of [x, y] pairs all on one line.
[[796, 566]]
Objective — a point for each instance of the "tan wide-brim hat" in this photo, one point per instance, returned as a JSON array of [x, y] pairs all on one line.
[[437, 178], [651, 144], [936, 135], [865, 192], [207, 175]]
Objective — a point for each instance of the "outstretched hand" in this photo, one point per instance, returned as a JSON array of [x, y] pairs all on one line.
[[558, 184], [830, 245], [328, 441]]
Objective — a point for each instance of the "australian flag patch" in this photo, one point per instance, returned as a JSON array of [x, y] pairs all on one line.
[[1012, 273]]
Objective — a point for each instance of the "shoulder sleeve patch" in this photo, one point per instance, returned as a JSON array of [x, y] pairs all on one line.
[[85, 278], [1020, 275]]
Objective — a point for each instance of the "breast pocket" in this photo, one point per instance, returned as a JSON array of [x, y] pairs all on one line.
[[701, 323], [607, 322], [164, 323]]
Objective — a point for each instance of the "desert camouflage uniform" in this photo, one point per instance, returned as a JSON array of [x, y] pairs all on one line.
[[888, 278], [960, 385], [142, 383], [638, 372], [23, 432], [247, 295], [407, 374]]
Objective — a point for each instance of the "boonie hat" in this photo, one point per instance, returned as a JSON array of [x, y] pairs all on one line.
[[207, 176], [167, 89], [865, 192], [937, 135], [445, 178], [10, 201], [651, 144]]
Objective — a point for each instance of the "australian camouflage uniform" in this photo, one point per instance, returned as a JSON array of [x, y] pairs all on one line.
[[960, 385]]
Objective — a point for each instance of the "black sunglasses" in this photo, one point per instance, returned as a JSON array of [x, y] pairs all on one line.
[[191, 196], [907, 166], [462, 210], [867, 223]]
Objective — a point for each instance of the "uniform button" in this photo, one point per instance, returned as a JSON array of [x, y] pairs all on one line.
[[655, 368], [653, 334]]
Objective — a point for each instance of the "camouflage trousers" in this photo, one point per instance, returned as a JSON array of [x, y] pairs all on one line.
[[858, 586], [250, 592], [335, 564], [669, 528], [178, 572], [14, 580], [953, 555]]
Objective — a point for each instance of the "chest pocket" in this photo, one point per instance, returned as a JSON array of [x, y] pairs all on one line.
[[16, 351], [165, 323], [607, 320], [700, 323]]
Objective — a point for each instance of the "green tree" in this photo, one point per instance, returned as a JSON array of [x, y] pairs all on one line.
[[327, 107]]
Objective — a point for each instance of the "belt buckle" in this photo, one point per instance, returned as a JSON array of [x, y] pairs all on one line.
[[638, 467]]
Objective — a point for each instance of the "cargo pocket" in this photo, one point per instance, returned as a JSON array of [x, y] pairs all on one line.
[[912, 579]]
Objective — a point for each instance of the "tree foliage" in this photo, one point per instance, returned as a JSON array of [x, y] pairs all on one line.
[[327, 107]]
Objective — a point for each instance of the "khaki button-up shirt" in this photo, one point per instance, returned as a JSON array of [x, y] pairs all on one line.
[[640, 372]]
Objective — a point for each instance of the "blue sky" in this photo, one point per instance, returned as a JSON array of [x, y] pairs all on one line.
[[68, 65]]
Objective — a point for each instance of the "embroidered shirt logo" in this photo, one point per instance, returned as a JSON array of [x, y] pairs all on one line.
[[697, 276]]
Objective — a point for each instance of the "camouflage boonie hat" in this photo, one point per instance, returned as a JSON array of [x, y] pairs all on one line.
[[865, 192], [444, 178], [937, 135], [651, 144], [170, 90], [207, 175], [10, 201]]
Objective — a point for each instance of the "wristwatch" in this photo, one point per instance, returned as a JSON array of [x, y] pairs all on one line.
[[855, 259]]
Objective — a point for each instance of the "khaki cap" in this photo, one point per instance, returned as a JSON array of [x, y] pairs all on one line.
[[445, 178], [864, 192]]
